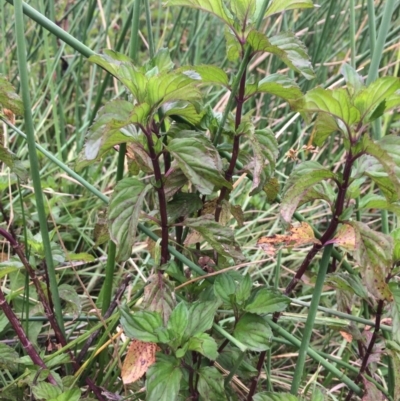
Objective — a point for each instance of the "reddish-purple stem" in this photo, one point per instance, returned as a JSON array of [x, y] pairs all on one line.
[[240, 99], [161, 196], [19, 331]]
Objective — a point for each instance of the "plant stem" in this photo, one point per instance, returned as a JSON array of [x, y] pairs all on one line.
[[313, 354], [34, 164], [159, 186], [236, 144], [370, 348], [323, 268], [330, 231], [192, 266], [19, 331]]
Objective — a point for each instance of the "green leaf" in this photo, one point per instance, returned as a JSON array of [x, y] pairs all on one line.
[[183, 110], [123, 214], [201, 317], [141, 325], [204, 344], [207, 74], [277, 6], [9, 358], [375, 95], [122, 67], [278, 85], [264, 154], [9, 99], [354, 81], [244, 10], [393, 349], [12, 161], [303, 177], [394, 307], [69, 395], [336, 103], [396, 248], [244, 289], [266, 300], [161, 60], [372, 201], [225, 287], [267, 396], [182, 205], [169, 87], [253, 331], [325, 124], [46, 391], [211, 384], [293, 53], [199, 160], [10, 266], [287, 47], [112, 126], [387, 152], [163, 379], [347, 282], [215, 7], [220, 238], [178, 322], [373, 253], [68, 293], [233, 47]]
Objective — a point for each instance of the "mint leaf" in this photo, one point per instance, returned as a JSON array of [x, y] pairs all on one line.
[[215, 7], [141, 325], [303, 177], [201, 317], [219, 237], [177, 323], [200, 162], [163, 379], [211, 384], [373, 252], [204, 344], [266, 300], [253, 331], [123, 214]]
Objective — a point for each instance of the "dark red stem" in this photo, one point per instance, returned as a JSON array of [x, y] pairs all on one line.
[[19, 331], [339, 207], [240, 99], [161, 196], [370, 348]]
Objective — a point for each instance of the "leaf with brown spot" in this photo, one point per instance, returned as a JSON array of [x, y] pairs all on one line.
[[345, 238], [298, 236], [159, 296], [374, 253], [139, 357]]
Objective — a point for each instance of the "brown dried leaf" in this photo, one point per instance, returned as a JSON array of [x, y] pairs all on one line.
[[139, 358], [347, 336], [298, 236]]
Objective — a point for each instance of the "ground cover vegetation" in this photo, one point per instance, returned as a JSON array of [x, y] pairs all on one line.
[[199, 200]]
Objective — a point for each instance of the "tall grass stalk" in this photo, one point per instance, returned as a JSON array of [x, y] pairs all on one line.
[[309, 326], [34, 165]]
